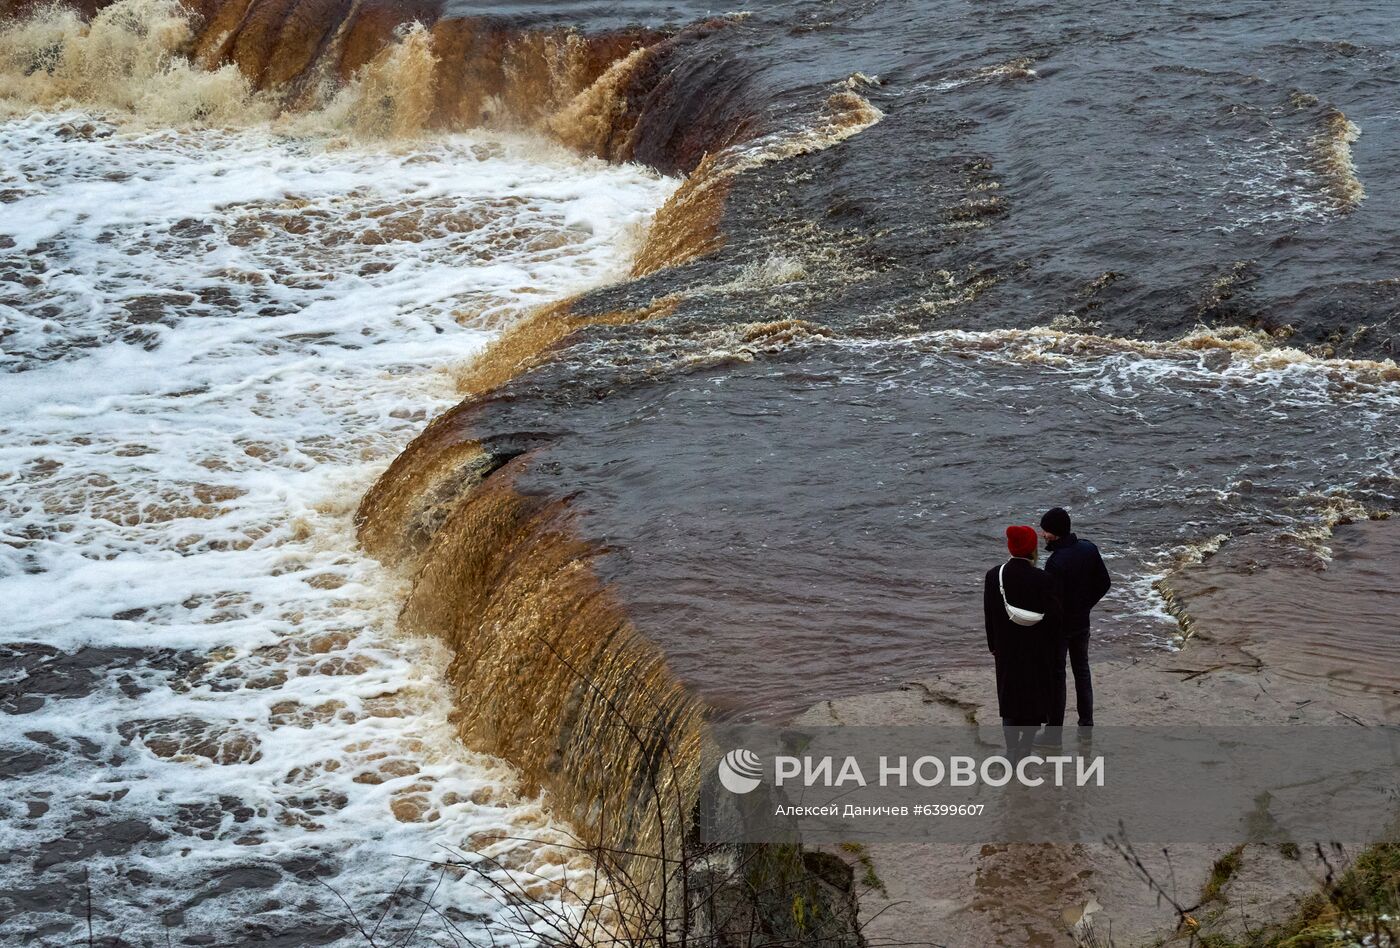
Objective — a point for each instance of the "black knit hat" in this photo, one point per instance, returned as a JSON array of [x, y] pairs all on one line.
[[1056, 521]]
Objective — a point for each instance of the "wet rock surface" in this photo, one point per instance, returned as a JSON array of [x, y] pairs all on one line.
[[1022, 893]]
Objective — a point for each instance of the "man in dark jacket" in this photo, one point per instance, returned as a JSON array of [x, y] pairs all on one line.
[[1025, 654], [1083, 580]]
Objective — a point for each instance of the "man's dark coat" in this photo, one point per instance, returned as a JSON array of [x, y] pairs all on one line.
[[1083, 578]]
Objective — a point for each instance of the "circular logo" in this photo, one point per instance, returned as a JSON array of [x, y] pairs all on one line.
[[740, 771]]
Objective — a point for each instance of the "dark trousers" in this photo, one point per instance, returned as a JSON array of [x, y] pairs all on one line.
[[1019, 738], [1075, 648]]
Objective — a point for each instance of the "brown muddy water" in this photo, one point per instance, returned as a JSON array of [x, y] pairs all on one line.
[[214, 340], [818, 523], [934, 268]]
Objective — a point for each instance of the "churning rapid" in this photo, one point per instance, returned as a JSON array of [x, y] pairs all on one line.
[[214, 339], [419, 422]]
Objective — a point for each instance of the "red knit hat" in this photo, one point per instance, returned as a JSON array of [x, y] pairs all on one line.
[[1021, 541]]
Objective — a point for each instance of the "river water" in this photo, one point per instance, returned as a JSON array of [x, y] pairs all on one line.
[[214, 341], [973, 260], [869, 483]]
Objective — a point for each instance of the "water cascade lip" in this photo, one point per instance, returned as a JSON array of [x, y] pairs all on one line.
[[215, 337], [893, 287]]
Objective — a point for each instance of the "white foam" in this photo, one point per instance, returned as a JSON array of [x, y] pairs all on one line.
[[224, 337], [1269, 385]]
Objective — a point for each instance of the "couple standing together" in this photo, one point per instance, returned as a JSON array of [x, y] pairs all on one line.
[[1036, 619]]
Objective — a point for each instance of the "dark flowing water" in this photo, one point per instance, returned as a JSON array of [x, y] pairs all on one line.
[[1138, 169], [819, 524], [1138, 261], [794, 518]]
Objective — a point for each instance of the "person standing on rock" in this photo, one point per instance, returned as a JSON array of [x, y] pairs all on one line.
[[1083, 580], [1024, 619]]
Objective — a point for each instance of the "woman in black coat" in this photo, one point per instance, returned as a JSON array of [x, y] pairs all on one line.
[[1025, 654]]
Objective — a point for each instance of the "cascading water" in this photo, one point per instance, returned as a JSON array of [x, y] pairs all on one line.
[[908, 288], [215, 337]]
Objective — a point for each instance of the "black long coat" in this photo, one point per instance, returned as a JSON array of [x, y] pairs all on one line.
[[1025, 655], [1078, 568]]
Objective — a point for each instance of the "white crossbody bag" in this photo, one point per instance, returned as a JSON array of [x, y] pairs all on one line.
[[1015, 613]]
